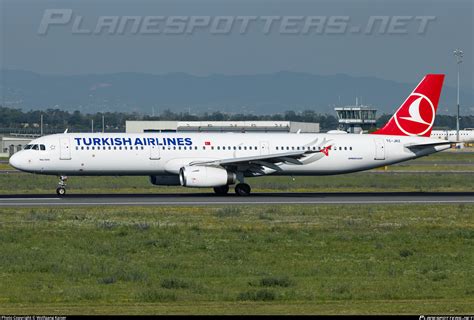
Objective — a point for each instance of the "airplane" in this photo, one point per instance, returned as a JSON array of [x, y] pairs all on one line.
[[466, 135], [218, 160]]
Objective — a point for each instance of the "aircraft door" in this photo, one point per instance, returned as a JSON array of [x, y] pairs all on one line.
[[65, 149], [379, 149], [264, 148], [155, 153]]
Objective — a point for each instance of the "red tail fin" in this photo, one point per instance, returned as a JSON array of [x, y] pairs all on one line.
[[416, 115]]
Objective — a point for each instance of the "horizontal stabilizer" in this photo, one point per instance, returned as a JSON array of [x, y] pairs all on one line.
[[429, 144]]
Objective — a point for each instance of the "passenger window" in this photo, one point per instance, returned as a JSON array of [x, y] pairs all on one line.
[[240, 148], [42, 147]]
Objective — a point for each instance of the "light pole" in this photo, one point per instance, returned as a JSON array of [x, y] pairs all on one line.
[[458, 54]]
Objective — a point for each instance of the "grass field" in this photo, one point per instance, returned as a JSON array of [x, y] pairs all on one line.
[[299, 259], [414, 259]]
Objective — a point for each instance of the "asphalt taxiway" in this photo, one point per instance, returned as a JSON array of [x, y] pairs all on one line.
[[206, 199]]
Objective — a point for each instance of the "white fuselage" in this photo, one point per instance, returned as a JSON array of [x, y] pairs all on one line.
[[451, 135], [165, 153]]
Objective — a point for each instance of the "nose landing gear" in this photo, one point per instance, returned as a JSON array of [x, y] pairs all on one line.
[[61, 189]]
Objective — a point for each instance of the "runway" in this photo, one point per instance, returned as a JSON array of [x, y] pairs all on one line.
[[206, 199]]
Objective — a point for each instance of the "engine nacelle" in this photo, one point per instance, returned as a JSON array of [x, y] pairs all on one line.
[[203, 176], [165, 180]]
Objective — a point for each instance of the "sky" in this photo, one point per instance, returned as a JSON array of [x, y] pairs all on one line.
[[398, 51]]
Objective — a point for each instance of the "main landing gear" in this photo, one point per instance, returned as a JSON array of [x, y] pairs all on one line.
[[241, 189], [222, 190], [61, 189]]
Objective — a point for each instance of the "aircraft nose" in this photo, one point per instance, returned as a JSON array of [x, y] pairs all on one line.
[[16, 161]]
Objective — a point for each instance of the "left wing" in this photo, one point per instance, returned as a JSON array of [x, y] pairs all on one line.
[[256, 163]]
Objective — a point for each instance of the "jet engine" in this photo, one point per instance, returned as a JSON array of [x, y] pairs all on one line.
[[204, 176], [165, 180]]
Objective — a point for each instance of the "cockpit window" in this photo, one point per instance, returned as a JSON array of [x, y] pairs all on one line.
[[35, 147]]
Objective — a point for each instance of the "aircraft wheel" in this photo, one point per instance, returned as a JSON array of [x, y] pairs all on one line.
[[61, 191], [222, 190], [242, 189]]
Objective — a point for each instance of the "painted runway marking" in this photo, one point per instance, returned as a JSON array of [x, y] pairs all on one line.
[[190, 203], [27, 199]]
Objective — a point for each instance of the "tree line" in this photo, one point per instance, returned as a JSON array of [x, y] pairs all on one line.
[[55, 120]]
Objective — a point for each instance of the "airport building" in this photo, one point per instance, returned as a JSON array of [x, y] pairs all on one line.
[[220, 126], [356, 119], [11, 144]]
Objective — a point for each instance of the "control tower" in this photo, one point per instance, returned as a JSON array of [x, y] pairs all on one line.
[[355, 119]]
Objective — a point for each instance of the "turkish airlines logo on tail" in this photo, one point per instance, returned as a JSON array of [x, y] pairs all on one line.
[[416, 116]]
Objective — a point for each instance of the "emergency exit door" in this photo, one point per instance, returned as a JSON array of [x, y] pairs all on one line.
[[264, 148], [154, 153], [379, 149]]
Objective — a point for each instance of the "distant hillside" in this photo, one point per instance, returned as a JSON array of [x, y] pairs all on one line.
[[258, 94]]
